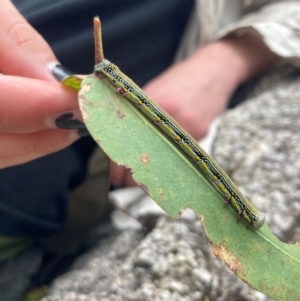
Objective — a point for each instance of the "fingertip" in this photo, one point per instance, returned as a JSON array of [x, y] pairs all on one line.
[[23, 50], [29, 105], [74, 135]]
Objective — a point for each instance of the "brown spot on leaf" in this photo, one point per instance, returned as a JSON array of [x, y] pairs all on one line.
[[162, 195], [121, 114], [230, 259], [180, 213], [144, 158]]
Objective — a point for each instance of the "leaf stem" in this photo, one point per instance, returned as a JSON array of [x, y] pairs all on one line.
[[99, 56]]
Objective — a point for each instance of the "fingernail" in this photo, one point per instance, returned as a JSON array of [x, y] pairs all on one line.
[[67, 121], [83, 132], [58, 71]]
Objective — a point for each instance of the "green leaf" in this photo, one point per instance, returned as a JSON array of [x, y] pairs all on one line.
[[169, 176]]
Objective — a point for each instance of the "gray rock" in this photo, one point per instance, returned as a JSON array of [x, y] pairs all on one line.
[[173, 262]]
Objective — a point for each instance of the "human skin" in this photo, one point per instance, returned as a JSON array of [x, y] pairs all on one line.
[[30, 97], [193, 91], [199, 88]]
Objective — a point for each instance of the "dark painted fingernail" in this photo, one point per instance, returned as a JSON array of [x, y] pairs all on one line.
[[83, 132], [58, 71], [65, 121]]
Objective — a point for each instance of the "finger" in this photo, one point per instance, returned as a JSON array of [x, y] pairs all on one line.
[[121, 176], [29, 105], [19, 148], [12, 160], [23, 51]]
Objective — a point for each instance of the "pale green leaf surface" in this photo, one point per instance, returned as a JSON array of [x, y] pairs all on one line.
[[169, 176]]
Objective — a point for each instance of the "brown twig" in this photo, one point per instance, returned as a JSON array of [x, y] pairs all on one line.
[[99, 56]]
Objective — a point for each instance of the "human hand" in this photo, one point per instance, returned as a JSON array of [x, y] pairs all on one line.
[[31, 99], [198, 89], [193, 92]]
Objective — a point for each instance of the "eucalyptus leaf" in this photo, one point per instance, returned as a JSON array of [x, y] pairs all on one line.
[[170, 177]]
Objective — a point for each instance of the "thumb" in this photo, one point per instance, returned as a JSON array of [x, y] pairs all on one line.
[[23, 51]]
